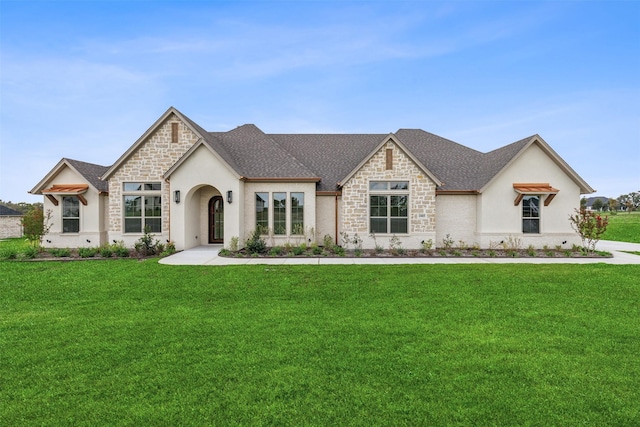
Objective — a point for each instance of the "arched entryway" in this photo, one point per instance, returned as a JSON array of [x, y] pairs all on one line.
[[216, 220]]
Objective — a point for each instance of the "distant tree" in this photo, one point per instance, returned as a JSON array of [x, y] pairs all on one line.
[[21, 207], [613, 204], [597, 205], [583, 203]]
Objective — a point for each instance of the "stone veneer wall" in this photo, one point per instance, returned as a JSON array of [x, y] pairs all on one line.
[[147, 164], [422, 198]]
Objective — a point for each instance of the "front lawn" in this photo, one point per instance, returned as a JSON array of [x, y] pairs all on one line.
[[131, 342], [623, 227]]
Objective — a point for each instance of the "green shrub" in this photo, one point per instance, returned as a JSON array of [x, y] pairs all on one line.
[[168, 249], [31, 252], [119, 249], [60, 252], [255, 244], [105, 251], [87, 252], [276, 251], [8, 253]]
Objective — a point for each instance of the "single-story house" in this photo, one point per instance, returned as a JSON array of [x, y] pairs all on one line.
[[602, 201], [196, 187], [10, 223]]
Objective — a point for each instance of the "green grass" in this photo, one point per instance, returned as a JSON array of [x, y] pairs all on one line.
[[623, 227], [130, 342]]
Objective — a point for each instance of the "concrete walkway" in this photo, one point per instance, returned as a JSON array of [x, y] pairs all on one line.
[[208, 255]]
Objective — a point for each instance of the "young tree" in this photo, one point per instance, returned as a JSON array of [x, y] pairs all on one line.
[[36, 225], [613, 205], [590, 226], [597, 205]]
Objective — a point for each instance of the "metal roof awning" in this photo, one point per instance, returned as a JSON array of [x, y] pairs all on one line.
[[66, 190], [534, 188]]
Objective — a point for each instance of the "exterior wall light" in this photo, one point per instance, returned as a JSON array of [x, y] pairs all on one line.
[[229, 196], [176, 196]]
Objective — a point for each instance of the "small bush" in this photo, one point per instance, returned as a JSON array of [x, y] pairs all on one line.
[[60, 252], [327, 241], [234, 244], [8, 253], [31, 252], [87, 252], [447, 242], [105, 251], [169, 249], [298, 250], [119, 249], [276, 251], [255, 244]]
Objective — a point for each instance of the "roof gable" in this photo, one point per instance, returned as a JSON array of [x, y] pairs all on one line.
[[500, 159], [379, 147], [89, 171], [171, 111]]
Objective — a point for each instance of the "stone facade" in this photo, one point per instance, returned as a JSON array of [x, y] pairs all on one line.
[[10, 226], [147, 164], [354, 216]]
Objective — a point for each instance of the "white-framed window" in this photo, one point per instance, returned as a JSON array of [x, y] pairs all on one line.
[[70, 214], [531, 214], [142, 207], [389, 207], [280, 212], [297, 213]]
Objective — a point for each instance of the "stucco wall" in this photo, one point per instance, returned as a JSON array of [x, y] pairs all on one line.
[[325, 218], [92, 232], [147, 164], [422, 200], [498, 218], [201, 176], [456, 216]]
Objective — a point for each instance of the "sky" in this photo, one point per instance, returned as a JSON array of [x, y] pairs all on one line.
[[85, 79]]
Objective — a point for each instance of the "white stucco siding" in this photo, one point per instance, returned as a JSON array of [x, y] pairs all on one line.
[[325, 217], [92, 232], [200, 177], [498, 218], [456, 216], [309, 190]]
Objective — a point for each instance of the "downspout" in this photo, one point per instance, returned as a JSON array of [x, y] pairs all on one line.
[[336, 218]]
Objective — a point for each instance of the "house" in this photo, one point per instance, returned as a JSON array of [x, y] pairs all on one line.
[[10, 223], [601, 204], [195, 187]]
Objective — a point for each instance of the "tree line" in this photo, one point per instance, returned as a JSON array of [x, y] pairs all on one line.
[[626, 202]]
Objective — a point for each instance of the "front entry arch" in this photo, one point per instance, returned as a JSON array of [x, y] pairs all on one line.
[[216, 220]]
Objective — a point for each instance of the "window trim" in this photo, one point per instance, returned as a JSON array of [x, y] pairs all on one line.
[[70, 218], [385, 188], [146, 190], [537, 218]]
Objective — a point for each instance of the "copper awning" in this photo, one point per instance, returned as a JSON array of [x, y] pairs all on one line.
[[534, 188], [66, 189]]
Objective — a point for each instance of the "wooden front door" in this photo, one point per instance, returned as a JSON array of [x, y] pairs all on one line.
[[216, 220]]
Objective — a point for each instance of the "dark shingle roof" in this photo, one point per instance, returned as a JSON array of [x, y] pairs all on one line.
[[330, 156], [92, 173], [6, 211], [256, 155]]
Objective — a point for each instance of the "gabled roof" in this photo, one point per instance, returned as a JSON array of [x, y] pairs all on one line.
[[171, 110], [498, 160], [89, 171], [6, 211]]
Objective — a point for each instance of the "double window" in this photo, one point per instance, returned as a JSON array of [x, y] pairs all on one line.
[[389, 207], [531, 214], [281, 225], [142, 207], [70, 214]]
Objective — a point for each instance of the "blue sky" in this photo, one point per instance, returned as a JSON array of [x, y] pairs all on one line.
[[84, 79]]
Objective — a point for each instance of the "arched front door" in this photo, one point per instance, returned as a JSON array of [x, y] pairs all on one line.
[[216, 220]]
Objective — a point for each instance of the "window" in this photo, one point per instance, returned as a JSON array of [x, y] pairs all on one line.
[[262, 212], [297, 213], [70, 214], [531, 214], [279, 213], [389, 207], [143, 208]]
